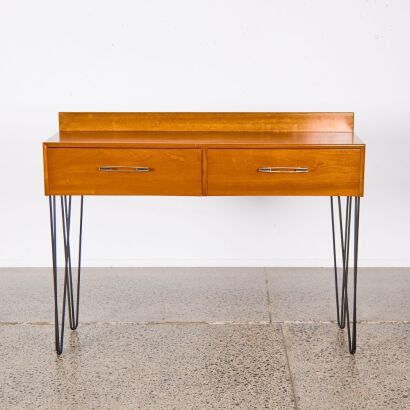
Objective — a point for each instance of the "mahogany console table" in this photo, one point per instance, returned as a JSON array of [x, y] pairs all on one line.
[[203, 154]]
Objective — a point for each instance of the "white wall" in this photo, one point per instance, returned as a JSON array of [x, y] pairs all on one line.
[[214, 55]]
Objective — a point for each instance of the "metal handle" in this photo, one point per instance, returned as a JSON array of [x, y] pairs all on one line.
[[122, 168], [284, 170]]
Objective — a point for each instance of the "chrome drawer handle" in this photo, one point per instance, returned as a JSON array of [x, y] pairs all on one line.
[[284, 170], [121, 168]]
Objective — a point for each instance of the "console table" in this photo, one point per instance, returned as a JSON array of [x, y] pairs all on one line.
[[199, 154]]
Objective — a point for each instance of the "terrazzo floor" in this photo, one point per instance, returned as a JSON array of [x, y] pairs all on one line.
[[202, 338]]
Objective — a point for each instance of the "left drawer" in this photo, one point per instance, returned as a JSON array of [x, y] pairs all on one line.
[[122, 171]]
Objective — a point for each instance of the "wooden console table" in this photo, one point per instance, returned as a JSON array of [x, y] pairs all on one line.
[[199, 154]]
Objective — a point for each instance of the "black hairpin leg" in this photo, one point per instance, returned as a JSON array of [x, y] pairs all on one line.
[[342, 308], [68, 286]]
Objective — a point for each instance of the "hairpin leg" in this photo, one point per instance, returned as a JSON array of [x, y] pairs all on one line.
[[68, 287], [342, 303]]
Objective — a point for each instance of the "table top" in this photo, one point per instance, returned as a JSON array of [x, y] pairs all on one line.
[[210, 139]]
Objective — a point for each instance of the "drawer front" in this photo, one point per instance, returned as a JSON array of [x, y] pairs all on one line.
[[120, 171], [285, 172]]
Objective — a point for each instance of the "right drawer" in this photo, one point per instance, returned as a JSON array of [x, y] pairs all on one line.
[[311, 171]]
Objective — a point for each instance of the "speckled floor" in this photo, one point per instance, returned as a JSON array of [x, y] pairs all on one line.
[[193, 338]]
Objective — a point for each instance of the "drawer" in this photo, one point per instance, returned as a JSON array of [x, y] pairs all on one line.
[[123, 171], [285, 172]]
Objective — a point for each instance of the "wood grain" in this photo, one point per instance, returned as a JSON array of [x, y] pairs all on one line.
[[204, 154], [75, 171], [331, 172], [206, 121]]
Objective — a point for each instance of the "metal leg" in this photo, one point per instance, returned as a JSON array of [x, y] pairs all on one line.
[[342, 303], [68, 287]]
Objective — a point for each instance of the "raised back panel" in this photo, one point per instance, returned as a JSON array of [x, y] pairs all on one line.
[[206, 121]]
